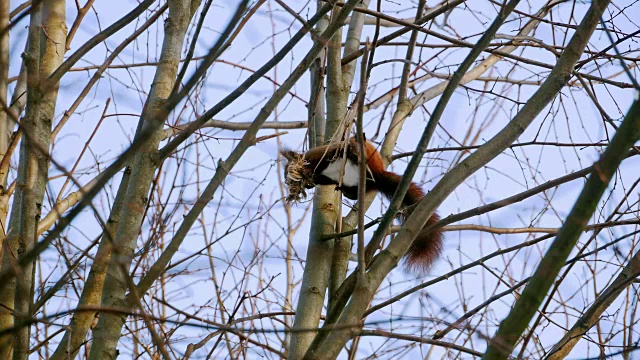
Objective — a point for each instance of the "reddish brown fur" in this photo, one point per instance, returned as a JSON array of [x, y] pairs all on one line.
[[427, 246]]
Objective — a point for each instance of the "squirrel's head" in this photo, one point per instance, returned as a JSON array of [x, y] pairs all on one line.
[[297, 174]]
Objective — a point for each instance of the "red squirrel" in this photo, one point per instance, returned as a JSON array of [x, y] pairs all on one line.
[[323, 165]]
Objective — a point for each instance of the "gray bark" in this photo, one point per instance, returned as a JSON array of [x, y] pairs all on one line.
[[144, 165]]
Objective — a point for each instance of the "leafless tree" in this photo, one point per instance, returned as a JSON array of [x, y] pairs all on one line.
[[172, 237]]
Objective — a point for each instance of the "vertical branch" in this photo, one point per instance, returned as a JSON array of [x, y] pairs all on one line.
[[362, 163], [406, 68], [6, 296], [47, 34], [404, 105], [5, 124], [344, 74], [315, 279], [144, 165], [317, 124], [352, 43], [316, 113], [10, 246], [316, 108], [324, 213], [17, 104], [337, 96], [75, 335]]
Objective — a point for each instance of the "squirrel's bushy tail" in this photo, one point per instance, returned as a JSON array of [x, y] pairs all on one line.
[[427, 246]]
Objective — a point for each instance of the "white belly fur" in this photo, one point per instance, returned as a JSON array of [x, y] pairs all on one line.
[[351, 175]]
